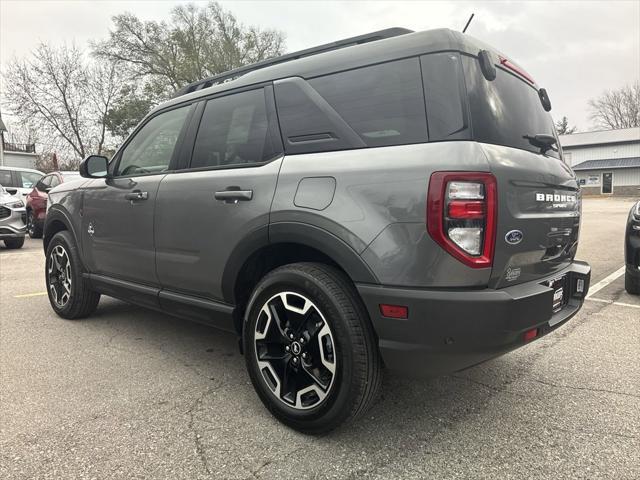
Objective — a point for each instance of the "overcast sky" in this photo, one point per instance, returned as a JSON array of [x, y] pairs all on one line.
[[575, 49]]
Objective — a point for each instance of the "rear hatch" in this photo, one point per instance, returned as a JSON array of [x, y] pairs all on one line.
[[538, 195]]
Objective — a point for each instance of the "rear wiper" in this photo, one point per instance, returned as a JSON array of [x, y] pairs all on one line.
[[542, 141]]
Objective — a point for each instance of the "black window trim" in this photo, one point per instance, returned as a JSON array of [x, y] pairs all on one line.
[[273, 130]]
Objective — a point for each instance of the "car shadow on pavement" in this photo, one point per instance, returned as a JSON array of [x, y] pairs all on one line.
[[430, 404]]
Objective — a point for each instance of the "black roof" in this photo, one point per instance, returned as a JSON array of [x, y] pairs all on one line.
[[397, 46], [633, 162]]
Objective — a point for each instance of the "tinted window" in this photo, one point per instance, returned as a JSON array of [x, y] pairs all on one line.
[[28, 179], [444, 93], [234, 130], [152, 147], [5, 178], [384, 103], [505, 109]]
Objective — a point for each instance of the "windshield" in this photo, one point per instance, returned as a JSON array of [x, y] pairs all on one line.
[[506, 110]]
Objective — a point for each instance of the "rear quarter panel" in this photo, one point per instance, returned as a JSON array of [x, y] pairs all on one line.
[[378, 207]]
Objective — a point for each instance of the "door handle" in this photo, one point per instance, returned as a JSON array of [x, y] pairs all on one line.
[[136, 195], [234, 196]]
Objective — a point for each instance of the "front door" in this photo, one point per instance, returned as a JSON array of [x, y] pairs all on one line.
[[224, 196], [117, 218], [607, 182]]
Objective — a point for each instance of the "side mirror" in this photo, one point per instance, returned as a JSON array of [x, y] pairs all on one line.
[[11, 191], [94, 166]]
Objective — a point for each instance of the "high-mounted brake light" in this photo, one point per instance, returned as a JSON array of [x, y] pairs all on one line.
[[514, 68], [462, 215]]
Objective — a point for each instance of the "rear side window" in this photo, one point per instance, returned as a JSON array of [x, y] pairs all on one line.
[[234, 130], [383, 104], [373, 106], [444, 93], [55, 181]]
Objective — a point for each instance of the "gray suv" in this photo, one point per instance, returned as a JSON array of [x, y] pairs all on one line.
[[397, 199]]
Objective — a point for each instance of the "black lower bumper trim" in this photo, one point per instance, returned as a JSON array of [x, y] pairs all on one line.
[[450, 330]]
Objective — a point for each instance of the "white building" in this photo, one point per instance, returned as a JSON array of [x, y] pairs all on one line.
[[16, 154], [606, 162]]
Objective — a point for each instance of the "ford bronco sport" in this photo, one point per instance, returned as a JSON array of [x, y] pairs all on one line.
[[395, 199]]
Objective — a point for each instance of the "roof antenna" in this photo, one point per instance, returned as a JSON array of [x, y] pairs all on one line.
[[468, 22]]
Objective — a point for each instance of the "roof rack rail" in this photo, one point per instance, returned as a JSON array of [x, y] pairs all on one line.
[[238, 72]]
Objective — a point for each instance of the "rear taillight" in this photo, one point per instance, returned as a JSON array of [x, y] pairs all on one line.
[[461, 215]]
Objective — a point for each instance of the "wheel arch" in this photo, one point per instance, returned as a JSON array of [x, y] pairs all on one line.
[[282, 244], [57, 221]]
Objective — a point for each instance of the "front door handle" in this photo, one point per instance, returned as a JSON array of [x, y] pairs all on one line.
[[234, 196], [136, 195]]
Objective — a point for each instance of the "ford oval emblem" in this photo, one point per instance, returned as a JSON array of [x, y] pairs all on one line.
[[513, 237]]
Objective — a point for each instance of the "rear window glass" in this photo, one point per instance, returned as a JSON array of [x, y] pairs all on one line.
[[383, 104], [506, 109], [234, 130]]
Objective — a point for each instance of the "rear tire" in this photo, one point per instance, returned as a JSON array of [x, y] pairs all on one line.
[[631, 284], [333, 373], [34, 230], [13, 243], [70, 294]]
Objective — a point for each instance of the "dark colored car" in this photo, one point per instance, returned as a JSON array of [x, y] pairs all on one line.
[[632, 251], [37, 200], [393, 199]]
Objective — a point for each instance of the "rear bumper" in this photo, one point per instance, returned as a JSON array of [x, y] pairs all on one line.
[[450, 330]]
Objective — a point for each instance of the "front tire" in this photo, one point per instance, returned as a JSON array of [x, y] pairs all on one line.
[[13, 243], [69, 292], [34, 230], [310, 349]]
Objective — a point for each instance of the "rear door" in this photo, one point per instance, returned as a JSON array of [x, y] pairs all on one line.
[[222, 196], [538, 195], [117, 220]]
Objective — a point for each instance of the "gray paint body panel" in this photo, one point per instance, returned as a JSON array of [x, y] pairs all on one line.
[[379, 207], [195, 234]]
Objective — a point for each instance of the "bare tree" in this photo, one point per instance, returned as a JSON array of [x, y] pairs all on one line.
[[58, 93], [617, 108]]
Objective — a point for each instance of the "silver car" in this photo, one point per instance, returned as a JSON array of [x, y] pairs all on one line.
[[12, 219]]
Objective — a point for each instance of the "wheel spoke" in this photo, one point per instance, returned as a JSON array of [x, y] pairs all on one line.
[[295, 350]]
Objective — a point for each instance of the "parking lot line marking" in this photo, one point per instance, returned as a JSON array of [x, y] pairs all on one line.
[[621, 304], [606, 281], [28, 295]]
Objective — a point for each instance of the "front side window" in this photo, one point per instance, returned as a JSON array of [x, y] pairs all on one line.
[[234, 130], [55, 181], [44, 183], [152, 147], [28, 179]]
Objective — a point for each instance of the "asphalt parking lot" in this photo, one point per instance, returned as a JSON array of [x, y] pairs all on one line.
[[130, 393]]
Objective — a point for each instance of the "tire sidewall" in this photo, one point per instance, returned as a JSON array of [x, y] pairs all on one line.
[[64, 238], [337, 402]]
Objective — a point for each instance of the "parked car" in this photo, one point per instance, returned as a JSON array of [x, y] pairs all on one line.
[[303, 203], [632, 251], [12, 216], [37, 199], [22, 179]]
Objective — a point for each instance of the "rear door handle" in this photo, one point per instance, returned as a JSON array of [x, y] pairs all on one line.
[[136, 195], [234, 196]]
